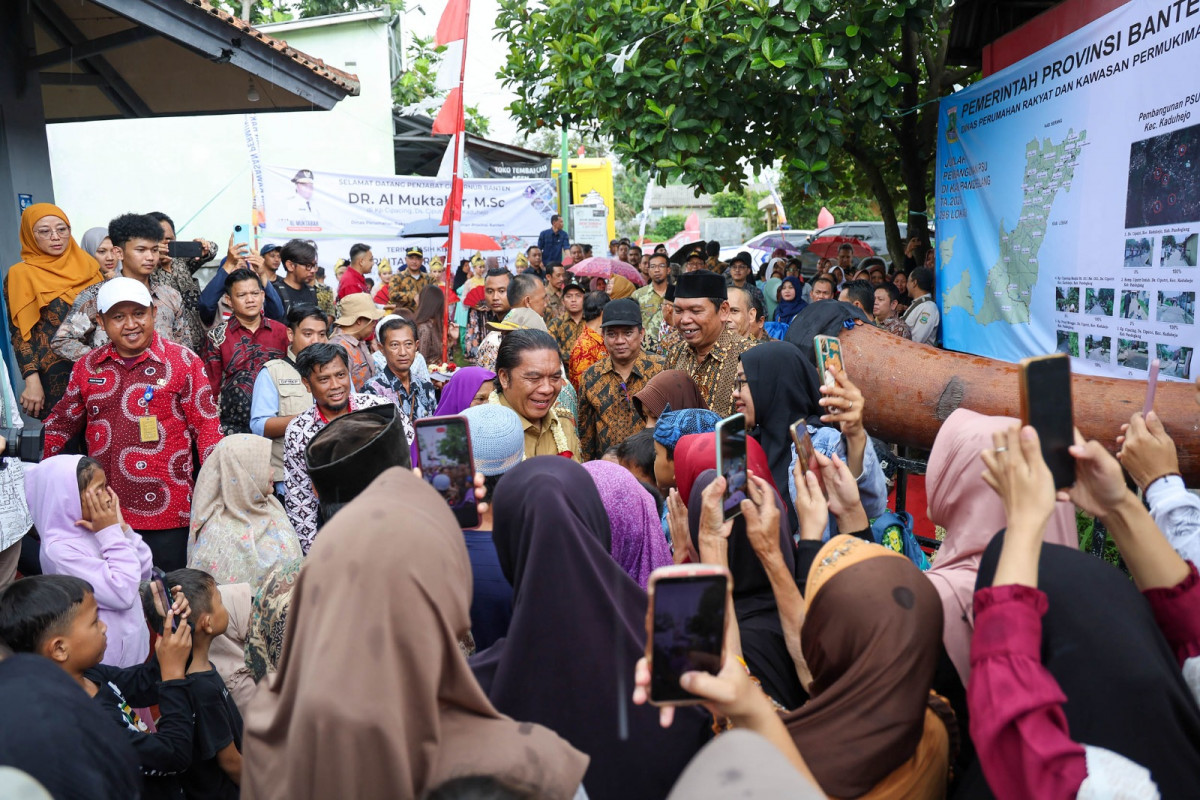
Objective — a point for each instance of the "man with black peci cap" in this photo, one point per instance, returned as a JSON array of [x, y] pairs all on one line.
[[407, 285], [566, 328], [709, 351], [607, 415], [345, 456], [300, 204]]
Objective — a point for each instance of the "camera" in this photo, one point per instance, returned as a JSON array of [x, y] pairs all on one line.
[[27, 444]]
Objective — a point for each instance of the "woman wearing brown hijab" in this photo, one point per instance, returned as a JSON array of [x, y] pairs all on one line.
[[373, 697], [672, 388], [871, 632]]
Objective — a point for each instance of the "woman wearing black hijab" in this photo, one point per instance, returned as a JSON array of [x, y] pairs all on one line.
[[759, 626], [1052, 621], [578, 627]]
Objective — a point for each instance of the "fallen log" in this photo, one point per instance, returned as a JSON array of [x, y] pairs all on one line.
[[912, 388]]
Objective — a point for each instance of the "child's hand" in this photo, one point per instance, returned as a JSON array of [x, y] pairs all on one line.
[[174, 648], [99, 509], [681, 535], [180, 604], [845, 502]]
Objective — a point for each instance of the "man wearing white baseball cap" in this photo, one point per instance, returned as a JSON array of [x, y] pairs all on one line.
[[140, 401]]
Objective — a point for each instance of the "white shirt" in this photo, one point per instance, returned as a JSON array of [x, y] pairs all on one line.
[[923, 317]]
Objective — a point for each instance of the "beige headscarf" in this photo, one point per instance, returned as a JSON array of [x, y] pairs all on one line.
[[239, 530], [619, 286], [373, 695]]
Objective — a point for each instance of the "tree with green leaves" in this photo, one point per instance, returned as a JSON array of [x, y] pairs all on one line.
[[702, 89]]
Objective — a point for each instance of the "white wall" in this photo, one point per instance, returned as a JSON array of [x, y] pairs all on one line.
[[197, 169]]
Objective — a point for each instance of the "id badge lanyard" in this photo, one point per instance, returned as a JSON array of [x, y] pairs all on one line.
[[148, 423]]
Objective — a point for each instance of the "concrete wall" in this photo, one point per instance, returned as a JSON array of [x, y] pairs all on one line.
[[197, 169]]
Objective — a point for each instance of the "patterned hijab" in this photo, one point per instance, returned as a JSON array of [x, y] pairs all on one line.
[[239, 530], [638, 544], [40, 278]]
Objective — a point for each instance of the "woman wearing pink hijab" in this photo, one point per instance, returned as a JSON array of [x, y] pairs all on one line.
[[972, 514]]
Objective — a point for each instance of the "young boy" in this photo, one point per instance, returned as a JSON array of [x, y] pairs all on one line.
[[216, 770], [56, 616]]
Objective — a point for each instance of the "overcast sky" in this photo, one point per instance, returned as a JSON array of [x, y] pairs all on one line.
[[485, 56]]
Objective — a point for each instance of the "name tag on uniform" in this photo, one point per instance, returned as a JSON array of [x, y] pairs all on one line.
[[289, 381], [148, 427]]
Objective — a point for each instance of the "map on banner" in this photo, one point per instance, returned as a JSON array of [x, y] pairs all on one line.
[[1048, 170], [1068, 210]]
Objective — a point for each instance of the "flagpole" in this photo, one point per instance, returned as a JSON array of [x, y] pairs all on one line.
[[459, 139]]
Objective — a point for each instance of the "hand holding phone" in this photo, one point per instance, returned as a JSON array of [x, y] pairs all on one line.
[[1046, 406], [829, 354], [160, 595], [446, 462], [685, 627]]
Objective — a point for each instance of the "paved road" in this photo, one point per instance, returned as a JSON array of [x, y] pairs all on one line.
[[1173, 314], [1138, 361]]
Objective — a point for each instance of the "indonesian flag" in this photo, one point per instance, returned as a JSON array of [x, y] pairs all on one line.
[[450, 118], [453, 25], [453, 209]]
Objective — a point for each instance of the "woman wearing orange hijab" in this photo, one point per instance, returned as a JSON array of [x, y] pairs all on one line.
[[39, 290]]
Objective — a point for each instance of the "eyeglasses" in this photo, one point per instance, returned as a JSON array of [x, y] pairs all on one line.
[[61, 232], [738, 383]]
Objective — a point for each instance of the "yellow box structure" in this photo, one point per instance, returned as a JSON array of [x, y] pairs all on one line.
[[588, 175]]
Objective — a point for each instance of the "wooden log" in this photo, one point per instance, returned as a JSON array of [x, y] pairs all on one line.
[[912, 388]]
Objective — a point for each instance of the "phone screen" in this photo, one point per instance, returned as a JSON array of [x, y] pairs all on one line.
[[158, 577], [731, 453], [184, 249], [806, 454], [829, 354], [1046, 405], [689, 632], [444, 455]]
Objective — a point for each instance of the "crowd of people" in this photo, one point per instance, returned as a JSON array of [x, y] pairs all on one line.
[[236, 581]]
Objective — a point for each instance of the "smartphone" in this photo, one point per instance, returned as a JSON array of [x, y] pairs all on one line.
[[829, 354], [685, 627], [159, 578], [731, 462], [241, 235], [806, 454], [444, 455], [1151, 386], [1046, 405], [178, 249]]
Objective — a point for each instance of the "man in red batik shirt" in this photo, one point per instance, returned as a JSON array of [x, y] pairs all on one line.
[[140, 401]]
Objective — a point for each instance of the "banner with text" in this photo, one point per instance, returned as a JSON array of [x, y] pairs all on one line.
[[337, 210], [1068, 199]]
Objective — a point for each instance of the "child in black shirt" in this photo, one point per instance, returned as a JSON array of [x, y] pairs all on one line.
[[216, 770], [56, 616]]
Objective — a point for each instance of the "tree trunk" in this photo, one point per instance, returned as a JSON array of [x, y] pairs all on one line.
[[883, 196], [247, 7]]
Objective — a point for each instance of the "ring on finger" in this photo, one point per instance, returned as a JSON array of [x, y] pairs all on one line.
[[1001, 449]]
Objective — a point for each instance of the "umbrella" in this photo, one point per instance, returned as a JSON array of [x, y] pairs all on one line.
[[680, 255], [475, 241], [604, 267], [424, 229], [828, 246], [773, 242]]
